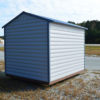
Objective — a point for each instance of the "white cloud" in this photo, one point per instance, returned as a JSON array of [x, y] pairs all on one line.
[[73, 10]]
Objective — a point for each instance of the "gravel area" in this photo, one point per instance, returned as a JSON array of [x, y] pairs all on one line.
[[85, 86]]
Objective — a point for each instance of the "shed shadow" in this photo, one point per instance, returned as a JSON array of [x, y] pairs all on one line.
[[8, 84]]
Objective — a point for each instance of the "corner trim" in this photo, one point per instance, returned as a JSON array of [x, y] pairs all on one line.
[[4, 50], [84, 49], [48, 51]]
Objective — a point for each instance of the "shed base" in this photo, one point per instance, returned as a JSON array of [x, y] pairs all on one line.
[[66, 77], [43, 82]]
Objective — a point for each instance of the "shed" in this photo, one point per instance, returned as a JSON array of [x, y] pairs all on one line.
[[43, 49]]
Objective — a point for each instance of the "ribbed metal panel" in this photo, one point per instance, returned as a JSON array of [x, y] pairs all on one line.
[[66, 50], [26, 48]]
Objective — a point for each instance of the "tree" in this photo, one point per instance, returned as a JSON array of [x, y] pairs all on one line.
[[93, 33]]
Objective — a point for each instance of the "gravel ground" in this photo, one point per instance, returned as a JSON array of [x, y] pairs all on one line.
[[85, 86]]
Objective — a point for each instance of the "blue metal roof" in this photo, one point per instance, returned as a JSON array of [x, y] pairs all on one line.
[[48, 19]]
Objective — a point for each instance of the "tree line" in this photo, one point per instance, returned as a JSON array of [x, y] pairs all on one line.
[[92, 35]]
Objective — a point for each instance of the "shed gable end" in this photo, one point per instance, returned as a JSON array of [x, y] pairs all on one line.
[[26, 48], [23, 17]]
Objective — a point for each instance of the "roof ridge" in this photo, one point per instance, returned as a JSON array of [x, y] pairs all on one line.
[[48, 19]]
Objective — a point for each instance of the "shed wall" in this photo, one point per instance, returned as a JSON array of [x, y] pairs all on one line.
[[66, 50], [26, 48]]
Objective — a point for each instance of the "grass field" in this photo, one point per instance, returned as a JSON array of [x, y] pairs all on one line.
[[1, 65], [1, 48], [92, 50]]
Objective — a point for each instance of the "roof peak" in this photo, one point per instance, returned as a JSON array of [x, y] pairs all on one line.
[[48, 19]]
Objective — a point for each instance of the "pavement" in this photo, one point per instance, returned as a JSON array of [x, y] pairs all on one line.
[[1, 55], [1, 45], [92, 44], [92, 62]]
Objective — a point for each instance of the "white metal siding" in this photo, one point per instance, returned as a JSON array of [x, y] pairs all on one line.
[[66, 50]]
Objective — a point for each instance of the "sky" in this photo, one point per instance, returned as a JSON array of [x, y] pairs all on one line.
[[65, 10]]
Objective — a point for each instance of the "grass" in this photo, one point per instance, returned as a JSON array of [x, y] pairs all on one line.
[[96, 72], [92, 50], [1, 48], [1, 65]]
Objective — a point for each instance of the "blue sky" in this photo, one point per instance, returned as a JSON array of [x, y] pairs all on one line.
[[66, 10]]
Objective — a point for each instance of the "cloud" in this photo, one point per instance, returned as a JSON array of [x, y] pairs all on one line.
[[73, 10]]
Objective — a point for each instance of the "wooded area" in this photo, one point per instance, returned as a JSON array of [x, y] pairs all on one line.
[[92, 35]]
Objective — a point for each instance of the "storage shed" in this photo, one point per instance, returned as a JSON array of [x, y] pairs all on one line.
[[43, 49]]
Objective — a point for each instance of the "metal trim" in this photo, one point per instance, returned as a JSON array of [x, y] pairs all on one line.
[[84, 49], [5, 51], [48, 51]]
